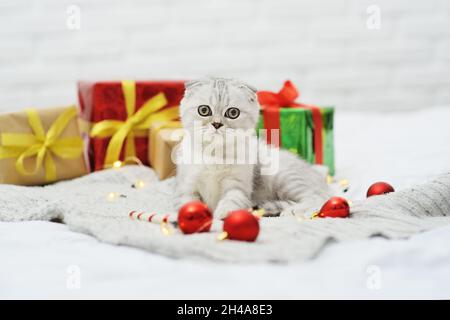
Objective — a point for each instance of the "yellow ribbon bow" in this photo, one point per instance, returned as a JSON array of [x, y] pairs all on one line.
[[41, 144], [135, 123]]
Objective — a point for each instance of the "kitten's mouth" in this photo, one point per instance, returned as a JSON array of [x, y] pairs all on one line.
[[213, 131]]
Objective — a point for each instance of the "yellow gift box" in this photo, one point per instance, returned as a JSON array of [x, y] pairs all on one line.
[[163, 139], [40, 146]]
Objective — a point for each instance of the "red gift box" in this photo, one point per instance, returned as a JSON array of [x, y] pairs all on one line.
[[100, 101]]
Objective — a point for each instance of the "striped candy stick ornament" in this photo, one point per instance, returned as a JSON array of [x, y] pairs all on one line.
[[156, 218]]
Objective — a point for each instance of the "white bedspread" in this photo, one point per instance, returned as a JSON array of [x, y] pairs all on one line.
[[38, 259]]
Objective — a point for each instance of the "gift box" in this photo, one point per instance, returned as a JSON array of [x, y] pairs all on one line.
[[116, 117], [304, 129], [40, 146], [164, 137]]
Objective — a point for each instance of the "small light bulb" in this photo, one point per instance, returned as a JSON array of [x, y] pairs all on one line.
[[259, 212], [343, 182], [117, 164], [165, 228], [139, 184], [222, 236], [112, 196], [315, 215]]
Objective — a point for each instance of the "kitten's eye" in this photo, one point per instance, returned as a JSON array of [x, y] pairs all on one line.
[[204, 110], [232, 113]]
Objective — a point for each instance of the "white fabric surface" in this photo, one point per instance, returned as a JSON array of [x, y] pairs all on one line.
[[401, 148]]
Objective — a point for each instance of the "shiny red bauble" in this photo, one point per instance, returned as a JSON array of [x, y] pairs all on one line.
[[379, 188], [241, 225], [194, 216], [335, 207]]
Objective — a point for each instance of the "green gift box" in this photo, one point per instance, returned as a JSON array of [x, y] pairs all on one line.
[[305, 130]]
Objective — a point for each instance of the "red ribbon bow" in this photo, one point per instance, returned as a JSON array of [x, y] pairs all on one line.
[[272, 102]]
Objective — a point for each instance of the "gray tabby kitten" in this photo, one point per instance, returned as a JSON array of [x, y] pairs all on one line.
[[215, 107]]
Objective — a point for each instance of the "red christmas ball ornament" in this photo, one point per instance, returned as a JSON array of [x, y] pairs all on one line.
[[194, 216], [241, 225], [335, 207], [379, 188]]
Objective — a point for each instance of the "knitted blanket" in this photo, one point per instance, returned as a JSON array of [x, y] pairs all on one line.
[[86, 205]]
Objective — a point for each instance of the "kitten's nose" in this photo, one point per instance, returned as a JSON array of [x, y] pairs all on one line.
[[217, 125]]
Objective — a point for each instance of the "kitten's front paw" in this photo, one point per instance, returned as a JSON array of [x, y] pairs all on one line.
[[288, 212], [225, 206], [299, 210], [221, 213]]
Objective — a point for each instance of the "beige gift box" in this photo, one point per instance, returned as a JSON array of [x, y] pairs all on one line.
[[164, 137], [51, 133]]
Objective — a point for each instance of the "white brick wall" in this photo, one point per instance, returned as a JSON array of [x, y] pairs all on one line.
[[325, 46]]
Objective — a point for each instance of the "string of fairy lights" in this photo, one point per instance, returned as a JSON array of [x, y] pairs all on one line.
[[243, 225], [168, 227], [138, 184]]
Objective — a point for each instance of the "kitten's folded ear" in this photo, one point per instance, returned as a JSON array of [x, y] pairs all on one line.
[[192, 83], [250, 90]]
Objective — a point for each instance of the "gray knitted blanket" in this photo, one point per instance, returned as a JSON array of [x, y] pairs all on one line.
[[85, 206]]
